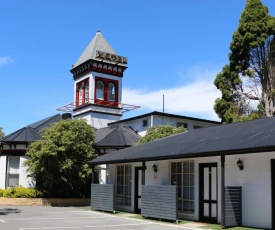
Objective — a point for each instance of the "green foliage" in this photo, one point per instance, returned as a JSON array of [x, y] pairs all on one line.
[[2, 134], [250, 74], [21, 192], [9, 193], [59, 161], [1, 192], [160, 131]]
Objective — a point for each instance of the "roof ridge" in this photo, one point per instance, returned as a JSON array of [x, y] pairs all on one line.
[[108, 133], [45, 120], [17, 131], [122, 135], [129, 130]]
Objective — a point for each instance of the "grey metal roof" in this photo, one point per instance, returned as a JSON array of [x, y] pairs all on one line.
[[244, 137], [31, 132], [115, 136], [97, 43], [165, 115]]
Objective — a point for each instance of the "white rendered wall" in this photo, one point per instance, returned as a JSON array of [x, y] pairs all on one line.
[[155, 120], [255, 181], [98, 120], [3, 163], [24, 180]]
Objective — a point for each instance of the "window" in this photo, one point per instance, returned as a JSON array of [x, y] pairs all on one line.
[[145, 123], [123, 185], [87, 92], [99, 90], [197, 127], [80, 94], [182, 175], [185, 125], [111, 92], [106, 91], [13, 171]]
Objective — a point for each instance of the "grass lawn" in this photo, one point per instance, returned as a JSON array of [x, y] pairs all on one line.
[[218, 227], [207, 226]]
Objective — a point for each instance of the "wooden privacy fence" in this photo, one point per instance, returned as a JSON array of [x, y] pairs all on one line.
[[102, 197], [159, 201], [233, 206]]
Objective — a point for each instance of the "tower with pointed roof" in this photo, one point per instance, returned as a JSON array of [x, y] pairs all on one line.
[[98, 83]]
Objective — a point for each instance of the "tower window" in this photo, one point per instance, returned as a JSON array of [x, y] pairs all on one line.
[[80, 94], [87, 92], [106, 91], [99, 90], [111, 92]]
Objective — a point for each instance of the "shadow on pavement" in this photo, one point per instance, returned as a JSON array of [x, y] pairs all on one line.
[[7, 211]]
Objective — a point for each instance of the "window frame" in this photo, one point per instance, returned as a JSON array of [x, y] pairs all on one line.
[[12, 172], [184, 185], [105, 100], [123, 191], [81, 90], [101, 90], [110, 92]]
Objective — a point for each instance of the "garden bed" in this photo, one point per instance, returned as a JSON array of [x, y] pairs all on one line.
[[62, 202]]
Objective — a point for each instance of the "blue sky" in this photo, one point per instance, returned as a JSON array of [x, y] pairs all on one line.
[[174, 48]]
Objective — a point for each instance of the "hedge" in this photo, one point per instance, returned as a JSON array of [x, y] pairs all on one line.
[[20, 192]]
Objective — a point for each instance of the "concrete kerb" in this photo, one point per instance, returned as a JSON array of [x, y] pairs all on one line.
[[60, 202]]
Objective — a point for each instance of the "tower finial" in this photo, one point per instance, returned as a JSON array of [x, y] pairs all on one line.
[[98, 30]]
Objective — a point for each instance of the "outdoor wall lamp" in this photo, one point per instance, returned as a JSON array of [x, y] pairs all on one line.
[[155, 168], [240, 164]]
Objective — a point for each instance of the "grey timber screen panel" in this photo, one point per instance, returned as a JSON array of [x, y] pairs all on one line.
[[159, 201], [102, 197], [233, 206]]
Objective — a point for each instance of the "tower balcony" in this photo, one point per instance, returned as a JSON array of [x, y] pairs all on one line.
[[95, 105]]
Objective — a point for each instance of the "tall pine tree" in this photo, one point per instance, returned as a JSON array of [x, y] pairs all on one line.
[[247, 83]]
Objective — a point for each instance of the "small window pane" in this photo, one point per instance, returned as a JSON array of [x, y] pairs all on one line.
[[111, 92], [191, 179], [179, 192], [186, 167], [179, 167], [179, 179], [186, 180], [99, 90], [173, 167], [179, 205], [87, 92], [173, 179], [186, 193]]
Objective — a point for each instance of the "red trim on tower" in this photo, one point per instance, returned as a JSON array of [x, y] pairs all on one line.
[[83, 91], [105, 93], [80, 86]]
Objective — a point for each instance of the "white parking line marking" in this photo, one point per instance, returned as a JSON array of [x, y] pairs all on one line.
[[56, 218], [91, 226], [2, 221]]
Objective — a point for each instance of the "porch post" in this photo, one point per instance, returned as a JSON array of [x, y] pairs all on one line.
[[143, 173], [222, 193]]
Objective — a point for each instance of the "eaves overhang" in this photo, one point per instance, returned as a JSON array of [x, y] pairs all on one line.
[[188, 155]]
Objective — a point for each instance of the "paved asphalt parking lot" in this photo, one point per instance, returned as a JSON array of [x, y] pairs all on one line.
[[62, 218]]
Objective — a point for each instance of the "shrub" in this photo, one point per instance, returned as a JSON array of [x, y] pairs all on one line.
[[1, 192], [9, 192], [21, 192]]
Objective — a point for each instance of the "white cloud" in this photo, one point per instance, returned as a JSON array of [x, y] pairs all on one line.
[[5, 60], [196, 97]]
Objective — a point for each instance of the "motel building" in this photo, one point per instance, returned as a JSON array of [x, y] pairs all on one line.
[[212, 173]]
